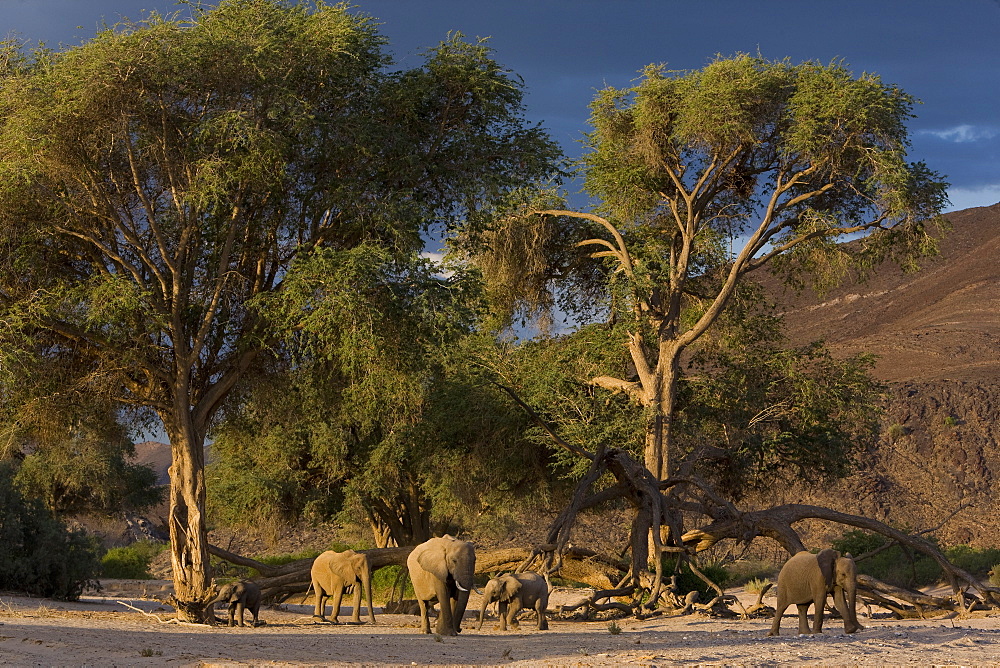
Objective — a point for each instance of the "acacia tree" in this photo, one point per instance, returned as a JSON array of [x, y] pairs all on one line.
[[161, 176], [706, 176]]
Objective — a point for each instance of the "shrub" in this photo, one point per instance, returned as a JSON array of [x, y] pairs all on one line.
[[387, 581], [38, 554], [995, 575], [756, 585], [894, 565], [974, 560], [896, 431], [131, 562], [687, 581], [282, 559]]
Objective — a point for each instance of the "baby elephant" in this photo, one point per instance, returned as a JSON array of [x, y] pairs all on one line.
[[513, 592], [242, 595]]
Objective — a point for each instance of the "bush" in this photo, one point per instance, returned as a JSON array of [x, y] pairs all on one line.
[[974, 560], [38, 554], [387, 581], [687, 581], [131, 562], [895, 566], [995, 575]]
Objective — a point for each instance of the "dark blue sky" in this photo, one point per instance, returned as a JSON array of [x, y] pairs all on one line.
[[944, 52]]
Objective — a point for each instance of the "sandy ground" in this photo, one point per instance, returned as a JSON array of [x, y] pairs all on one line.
[[103, 631]]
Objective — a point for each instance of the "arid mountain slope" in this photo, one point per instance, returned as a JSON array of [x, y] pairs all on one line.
[[936, 333], [940, 323]]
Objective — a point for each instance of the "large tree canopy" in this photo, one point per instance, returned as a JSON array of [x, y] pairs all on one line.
[[703, 177], [158, 178]]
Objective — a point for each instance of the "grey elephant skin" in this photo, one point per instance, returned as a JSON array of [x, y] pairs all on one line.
[[442, 569], [808, 578], [333, 573], [240, 596], [512, 593]]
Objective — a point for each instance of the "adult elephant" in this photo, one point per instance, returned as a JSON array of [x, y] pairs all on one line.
[[512, 593], [442, 569], [333, 573], [808, 578]]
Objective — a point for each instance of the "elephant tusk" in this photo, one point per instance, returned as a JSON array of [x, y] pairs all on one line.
[[460, 587], [477, 591]]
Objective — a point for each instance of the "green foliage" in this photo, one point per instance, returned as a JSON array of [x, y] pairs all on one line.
[[895, 432], [130, 562], [756, 585], [282, 559], [386, 584], [747, 571], [553, 375], [687, 581], [614, 629], [977, 561], [158, 181], [38, 554], [894, 565], [777, 412]]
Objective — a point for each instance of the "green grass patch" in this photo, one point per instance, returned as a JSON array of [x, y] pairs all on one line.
[[386, 583], [130, 562]]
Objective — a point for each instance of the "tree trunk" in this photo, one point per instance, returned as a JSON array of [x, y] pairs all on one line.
[[188, 532], [662, 398]]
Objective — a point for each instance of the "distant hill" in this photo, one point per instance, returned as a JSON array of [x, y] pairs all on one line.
[[156, 455], [936, 333]]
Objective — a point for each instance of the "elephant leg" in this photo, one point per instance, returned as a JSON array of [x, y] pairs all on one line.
[[543, 623], [425, 622], [515, 607], [445, 622], [502, 612], [338, 597], [803, 619], [779, 610], [356, 614], [239, 612], [320, 610], [819, 611], [232, 615]]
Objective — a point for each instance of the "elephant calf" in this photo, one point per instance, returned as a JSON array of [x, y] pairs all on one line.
[[515, 591], [808, 579], [240, 596]]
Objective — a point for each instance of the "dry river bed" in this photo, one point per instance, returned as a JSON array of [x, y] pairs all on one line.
[[115, 630]]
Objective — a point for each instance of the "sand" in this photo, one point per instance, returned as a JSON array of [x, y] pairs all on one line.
[[104, 631]]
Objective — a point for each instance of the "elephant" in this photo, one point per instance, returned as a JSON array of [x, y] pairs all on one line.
[[335, 572], [513, 592], [808, 578], [242, 595], [442, 569]]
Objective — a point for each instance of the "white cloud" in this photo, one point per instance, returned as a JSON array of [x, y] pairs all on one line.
[[966, 198], [963, 134]]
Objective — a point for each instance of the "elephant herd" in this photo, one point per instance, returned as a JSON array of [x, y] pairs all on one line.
[[442, 571]]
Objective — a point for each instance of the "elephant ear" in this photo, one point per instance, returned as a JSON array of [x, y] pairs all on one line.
[[509, 586], [826, 559], [434, 562]]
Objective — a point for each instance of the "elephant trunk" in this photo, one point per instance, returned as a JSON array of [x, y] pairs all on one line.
[[851, 592], [482, 612]]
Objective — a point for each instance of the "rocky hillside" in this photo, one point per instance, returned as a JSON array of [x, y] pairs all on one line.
[[936, 334]]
